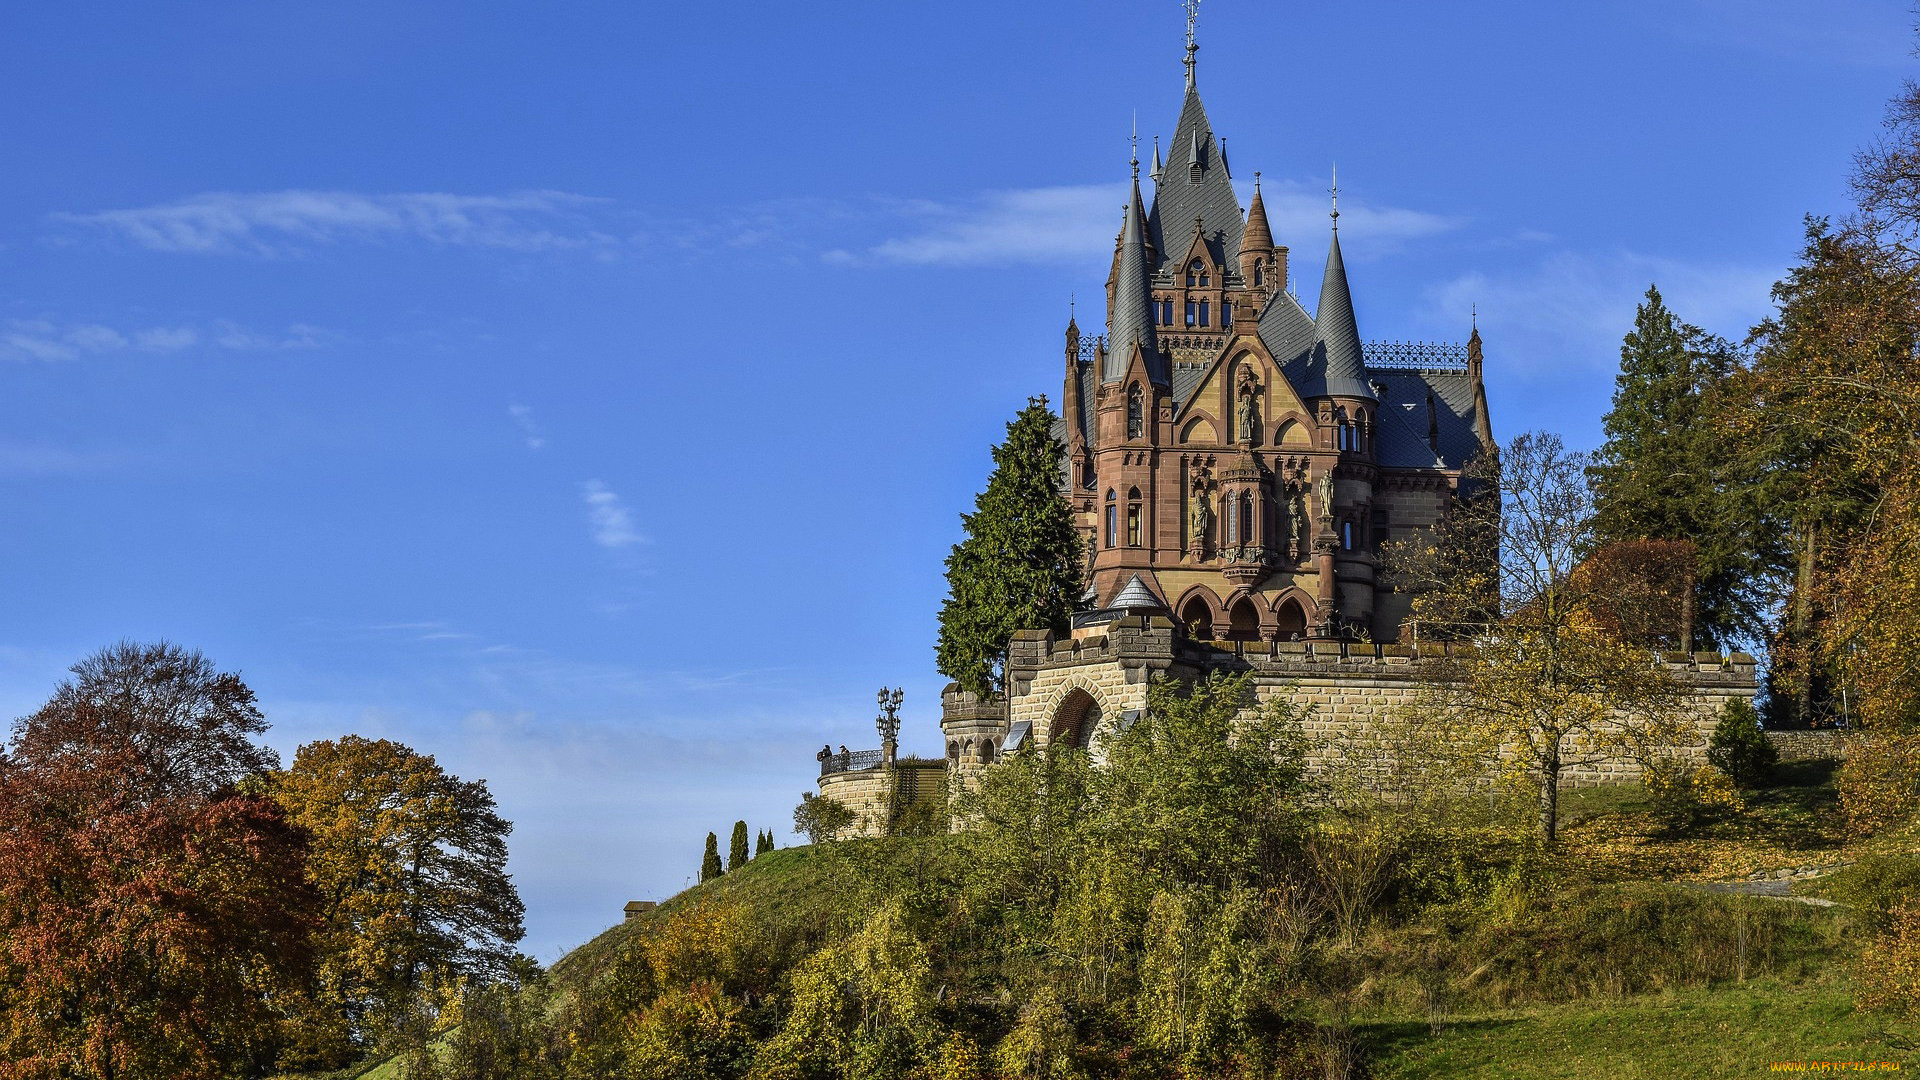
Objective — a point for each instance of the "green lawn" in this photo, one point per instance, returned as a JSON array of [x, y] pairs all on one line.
[[1729, 1031]]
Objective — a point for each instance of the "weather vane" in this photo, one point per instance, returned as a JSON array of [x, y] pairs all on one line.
[[1335, 192], [1193, 16]]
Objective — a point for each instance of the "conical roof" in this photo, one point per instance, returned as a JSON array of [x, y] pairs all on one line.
[[1132, 320], [1195, 184], [1259, 234], [1338, 360], [1136, 597]]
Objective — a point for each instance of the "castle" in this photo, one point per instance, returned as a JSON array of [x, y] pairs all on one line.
[[1234, 464]]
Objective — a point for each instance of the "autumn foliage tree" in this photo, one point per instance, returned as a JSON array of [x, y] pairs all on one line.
[[1540, 679], [410, 866], [154, 917]]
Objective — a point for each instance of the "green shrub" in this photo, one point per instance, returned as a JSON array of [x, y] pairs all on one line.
[[821, 818], [1739, 748], [1875, 886]]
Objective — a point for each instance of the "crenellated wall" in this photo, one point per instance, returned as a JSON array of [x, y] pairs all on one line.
[[1080, 686]]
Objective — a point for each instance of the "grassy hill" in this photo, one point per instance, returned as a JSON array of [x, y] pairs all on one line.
[[1611, 962]]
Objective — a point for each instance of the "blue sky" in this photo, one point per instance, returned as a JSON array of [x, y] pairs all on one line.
[[586, 393]]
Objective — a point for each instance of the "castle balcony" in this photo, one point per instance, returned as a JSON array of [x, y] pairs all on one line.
[[850, 761], [1247, 565]]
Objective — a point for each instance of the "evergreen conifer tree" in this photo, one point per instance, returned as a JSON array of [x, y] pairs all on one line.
[[710, 863], [762, 843], [1020, 565], [737, 848], [1664, 473]]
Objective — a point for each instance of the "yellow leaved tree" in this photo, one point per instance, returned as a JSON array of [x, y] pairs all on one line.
[[1534, 680]]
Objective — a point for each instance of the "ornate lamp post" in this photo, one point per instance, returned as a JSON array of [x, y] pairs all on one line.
[[889, 723]]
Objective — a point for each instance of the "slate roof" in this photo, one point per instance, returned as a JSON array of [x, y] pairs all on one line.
[[1337, 361], [1132, 321], [1400, 436], [1177, 200], [1288, 333], [1136, 597]]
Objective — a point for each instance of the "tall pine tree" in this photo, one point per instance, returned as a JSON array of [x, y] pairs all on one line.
[[1019, 567], [1664, 473], [710, 862]]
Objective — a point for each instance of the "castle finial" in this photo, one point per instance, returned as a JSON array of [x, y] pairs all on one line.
[[1193, 15], [1335, 192], [1473, 313], [1134, 143], [1256, 181]]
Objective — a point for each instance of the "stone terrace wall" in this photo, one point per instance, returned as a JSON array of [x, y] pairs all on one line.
[[1826, 745], [1350, 687], [868, 792]]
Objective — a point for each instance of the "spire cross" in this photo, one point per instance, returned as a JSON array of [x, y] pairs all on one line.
[[1193, 15], [1335, 192], [1135, 143]]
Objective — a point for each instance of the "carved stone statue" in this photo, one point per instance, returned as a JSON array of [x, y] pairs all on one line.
[[1202, 517], [1299, 515], [1326, 494], [1249, 405]]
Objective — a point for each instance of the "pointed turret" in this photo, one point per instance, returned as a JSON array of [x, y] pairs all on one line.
[[1153, 174], [1256, 246], [1482, 426], [1132, 319], [1337, 355], [1199, 187]]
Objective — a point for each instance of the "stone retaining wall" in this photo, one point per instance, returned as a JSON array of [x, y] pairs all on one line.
[[1829, 744], [869, 793], [1351, 687]]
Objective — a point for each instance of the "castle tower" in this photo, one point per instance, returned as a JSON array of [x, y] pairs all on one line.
[[1242, 458]]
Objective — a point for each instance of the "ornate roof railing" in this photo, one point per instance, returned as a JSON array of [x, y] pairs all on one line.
[[1090, 347], [1415, 355], [850, 761]]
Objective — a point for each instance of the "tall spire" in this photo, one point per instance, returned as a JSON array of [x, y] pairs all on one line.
[[1153, 174], [1335, 192], [1193, 16], [1132, 321], [1202, 187], [1337, 335]]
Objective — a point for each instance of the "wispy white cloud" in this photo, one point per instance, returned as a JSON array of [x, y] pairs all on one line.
[[1035, 225], [41, 339], [609, 517], [1571, 309], [1297, 210], [1077, 223], [284, 222], [530, 432]]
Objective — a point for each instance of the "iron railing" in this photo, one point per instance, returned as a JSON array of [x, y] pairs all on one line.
[[1415, 355], [849, 761]]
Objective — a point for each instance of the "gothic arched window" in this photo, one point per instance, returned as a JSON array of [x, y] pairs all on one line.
[[1246, 518], [1136, 412], [1113, 519], [1193, 274], [1133, 517]]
